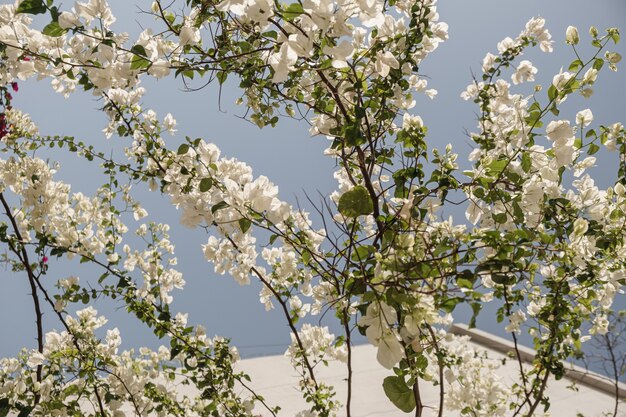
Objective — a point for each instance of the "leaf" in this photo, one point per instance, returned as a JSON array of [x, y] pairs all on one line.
[[138, 63], [139, 50], [450, 304], [353, 135], [31, 7], [615, 37], [577, 63], [244, 225], [53, 29], [518, 212], [362, 253], [4, 407], [526, 162], [205, 184], [294, 10], [598, 64], [356, 202], [503, 279], [219, 206], [221, 77], [183, 149], [500, 218], [497, 166], [399, 393], [25, 412], [140, 59], [552, 93], [421, 362], [593, 148]]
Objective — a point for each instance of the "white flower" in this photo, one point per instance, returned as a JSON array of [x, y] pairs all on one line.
[[340, 54], [584, 117], [525, 72], [561, 79], [169, 123], [564, 151], [580, 227], [559, 129], [159, 68], [283, 62], [590, 76], [581, 166], [431, 93], [473, 212], [378, 321], [35, 359], [411, 122], [506, 44], [95, 9], [516, 319], [189, 36], [69, 20], [384, 62], [571, 35], [489, 62]]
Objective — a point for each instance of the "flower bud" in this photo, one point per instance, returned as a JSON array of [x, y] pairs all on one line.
[[580, 227], [571, 35], [613, 57], [593, 31]]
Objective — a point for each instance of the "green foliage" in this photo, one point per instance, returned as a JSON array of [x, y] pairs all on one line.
[[355, 202], [399, 393]]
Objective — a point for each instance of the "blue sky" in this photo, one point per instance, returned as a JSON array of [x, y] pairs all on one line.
[[291, 158]]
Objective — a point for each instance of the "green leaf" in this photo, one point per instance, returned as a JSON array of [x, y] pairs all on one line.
[[421, 362], [526, 162], [219, 206], [577, 63], [464, 283], [598, 64], [138, 63], [221, 77], [53, 29], [503, 279], [593, 148], [139, 50], [450, 304], [500, 218], [244, 225], [552, 93], [294, 10], [31, 7], [140, 60], [25, 412], [4, 407], [356, 202], [362, 252], [615, 37], [205, 184], [353, 135], [518, 212], [554, 110], [183, 149], [399, 393], [497, 166]]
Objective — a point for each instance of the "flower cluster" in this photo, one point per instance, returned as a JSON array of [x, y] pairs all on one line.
[[545, 240]]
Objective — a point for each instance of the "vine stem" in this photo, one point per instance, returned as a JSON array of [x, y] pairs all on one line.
[[22, 254]]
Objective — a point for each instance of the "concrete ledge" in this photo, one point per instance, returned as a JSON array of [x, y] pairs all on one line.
[[573, 372]]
